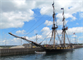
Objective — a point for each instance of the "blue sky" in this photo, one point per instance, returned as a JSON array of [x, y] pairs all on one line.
[[28, 17]]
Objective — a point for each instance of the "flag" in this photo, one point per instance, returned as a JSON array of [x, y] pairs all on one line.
[[62, 8], [63, 11], [53, 4], [66, 28]]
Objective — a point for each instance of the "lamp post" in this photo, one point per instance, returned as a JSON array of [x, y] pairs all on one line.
[[75, 38]]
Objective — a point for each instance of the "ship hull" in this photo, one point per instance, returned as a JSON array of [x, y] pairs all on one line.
[[57, 50]]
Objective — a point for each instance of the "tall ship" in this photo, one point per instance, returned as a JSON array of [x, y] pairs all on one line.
[[54, 47]]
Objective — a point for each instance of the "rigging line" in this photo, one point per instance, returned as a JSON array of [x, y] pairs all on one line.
[[31, 26], [51, 36], [34, 28], [46, 25], [62, 37], [68, 38], [34, 24], [59, 37], [45, 38], [13, 30]]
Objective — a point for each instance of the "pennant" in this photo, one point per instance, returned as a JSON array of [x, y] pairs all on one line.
[[53, 4], [62, 8]]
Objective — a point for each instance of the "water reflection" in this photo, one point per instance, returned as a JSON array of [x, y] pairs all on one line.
[[76, 54], [54, 56]]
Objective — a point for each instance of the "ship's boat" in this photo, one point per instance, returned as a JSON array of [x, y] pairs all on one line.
[[40, 52]]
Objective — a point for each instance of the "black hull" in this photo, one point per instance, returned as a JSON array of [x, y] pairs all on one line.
[[57, 50]]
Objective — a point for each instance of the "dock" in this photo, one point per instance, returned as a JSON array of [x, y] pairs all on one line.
[[18, 51], [23, 51], [78, 46]]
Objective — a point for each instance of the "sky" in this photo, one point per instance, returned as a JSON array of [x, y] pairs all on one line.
[[26, 18]]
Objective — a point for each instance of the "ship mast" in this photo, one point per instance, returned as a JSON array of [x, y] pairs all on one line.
[[64, 28], [54, 26]]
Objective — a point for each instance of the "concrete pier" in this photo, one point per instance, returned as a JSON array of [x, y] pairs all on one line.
[[22, 51], [18, 51], [78, 46]]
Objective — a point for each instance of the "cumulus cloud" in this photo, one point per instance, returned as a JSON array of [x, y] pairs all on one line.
[[4, 41], [74, 36], [81, 37], [13, 19], [70, 7], [46, 10], [75, 30], [48, 22], [20, 32], [33, 38], [16, 39], [13, 16], [20, 2], [81, 15], [59, 22], [67, 15], [14, 13], [46, 32]]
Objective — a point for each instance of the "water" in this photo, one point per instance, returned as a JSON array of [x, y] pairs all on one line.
[[76, 54]]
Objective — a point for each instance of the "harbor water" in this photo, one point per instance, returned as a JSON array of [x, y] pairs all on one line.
[[76, 54]]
